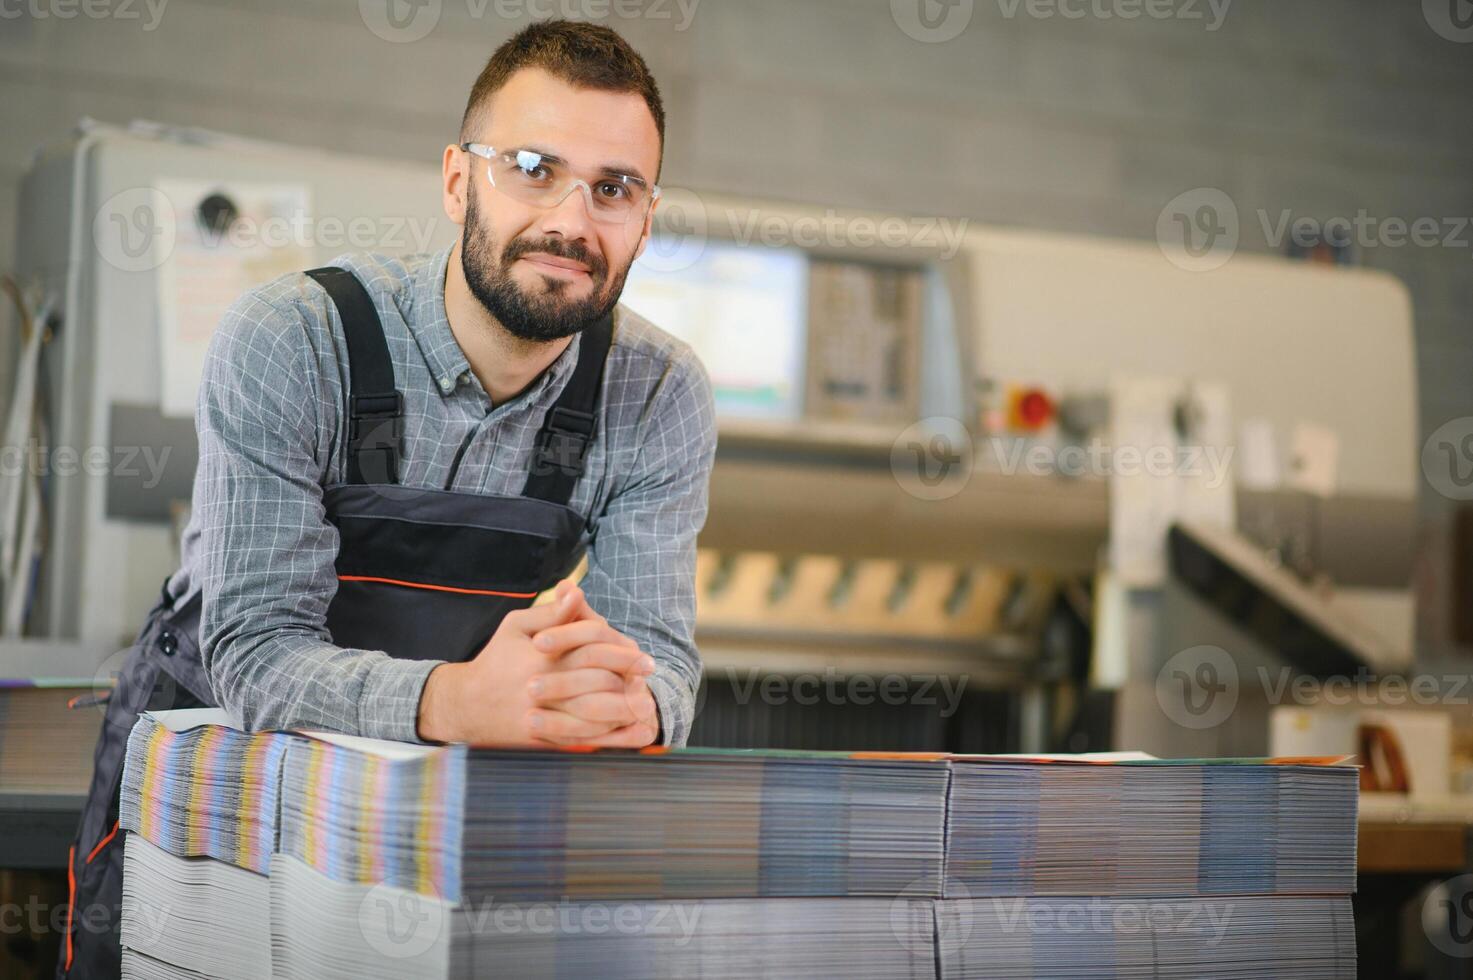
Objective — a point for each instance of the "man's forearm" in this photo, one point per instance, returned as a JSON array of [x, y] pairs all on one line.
[[292, 680]]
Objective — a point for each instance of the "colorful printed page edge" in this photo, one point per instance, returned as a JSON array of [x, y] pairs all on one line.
[[1317, 760]]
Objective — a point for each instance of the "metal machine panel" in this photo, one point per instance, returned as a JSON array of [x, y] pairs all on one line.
[[104, 571], [1292, 341]]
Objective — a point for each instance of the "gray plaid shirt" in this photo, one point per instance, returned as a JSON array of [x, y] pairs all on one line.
[[271, 425]]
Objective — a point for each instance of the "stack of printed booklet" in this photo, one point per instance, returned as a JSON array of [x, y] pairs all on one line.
[[310, 855]]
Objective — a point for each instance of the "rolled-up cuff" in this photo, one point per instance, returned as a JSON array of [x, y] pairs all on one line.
[[675, 704], [388, 706]]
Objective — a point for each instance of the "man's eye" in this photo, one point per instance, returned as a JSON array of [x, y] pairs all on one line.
[[536, 172], [613, 190]]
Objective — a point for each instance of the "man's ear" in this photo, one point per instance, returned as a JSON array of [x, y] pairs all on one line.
[[455, 174]]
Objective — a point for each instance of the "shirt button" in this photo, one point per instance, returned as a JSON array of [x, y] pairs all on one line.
[[446, 384]]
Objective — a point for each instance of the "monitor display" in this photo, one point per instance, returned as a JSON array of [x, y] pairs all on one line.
[[743, 309]]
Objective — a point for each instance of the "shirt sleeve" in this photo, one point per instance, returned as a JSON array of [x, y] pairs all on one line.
[[642, 552], [267, 551]]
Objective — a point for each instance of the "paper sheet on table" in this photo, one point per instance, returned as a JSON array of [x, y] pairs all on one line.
[[183, 719], [383, 748]]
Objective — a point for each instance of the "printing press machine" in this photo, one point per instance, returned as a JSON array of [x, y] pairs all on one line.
[[887, 502]]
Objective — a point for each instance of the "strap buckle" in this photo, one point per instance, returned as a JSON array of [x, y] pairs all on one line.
[[562, 443], [375, 435]]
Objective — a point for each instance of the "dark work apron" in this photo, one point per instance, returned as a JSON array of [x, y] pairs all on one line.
[[422, 575]]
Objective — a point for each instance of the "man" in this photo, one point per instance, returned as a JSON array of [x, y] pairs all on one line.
[[396, 456]]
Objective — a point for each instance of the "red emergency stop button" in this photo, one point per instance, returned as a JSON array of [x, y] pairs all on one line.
[[1032, 409]]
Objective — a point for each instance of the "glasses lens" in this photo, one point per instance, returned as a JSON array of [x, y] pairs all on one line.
[[618, 196], [523, 175]]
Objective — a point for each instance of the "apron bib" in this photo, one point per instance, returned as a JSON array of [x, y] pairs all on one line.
[[422, 574]]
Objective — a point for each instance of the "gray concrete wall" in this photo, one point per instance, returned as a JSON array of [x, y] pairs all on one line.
[[1021, 114]]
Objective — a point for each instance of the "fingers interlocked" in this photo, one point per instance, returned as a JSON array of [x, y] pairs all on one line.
[[594, 691]]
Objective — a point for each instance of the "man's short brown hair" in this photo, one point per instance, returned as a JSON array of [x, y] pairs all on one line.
[[581, 54]]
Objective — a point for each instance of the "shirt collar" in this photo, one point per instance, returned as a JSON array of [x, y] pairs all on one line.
[[430, 326]]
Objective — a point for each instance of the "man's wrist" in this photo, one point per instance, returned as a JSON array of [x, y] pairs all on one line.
[[388, 700], [438, 719]]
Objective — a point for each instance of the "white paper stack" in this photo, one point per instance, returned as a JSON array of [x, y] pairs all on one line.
[[195, 787], [1152, 827], [324, 928], [199, 808], [195, 914], [1237, 869], [690, 823], [322, 856], [1252, 937], [137, 966]]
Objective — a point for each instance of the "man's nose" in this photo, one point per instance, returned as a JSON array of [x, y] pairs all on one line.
[[570, 217]]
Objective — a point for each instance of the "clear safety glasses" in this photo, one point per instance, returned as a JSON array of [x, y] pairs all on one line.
[[545, 181]]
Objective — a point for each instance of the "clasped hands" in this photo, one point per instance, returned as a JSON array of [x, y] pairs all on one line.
[[554, 674]]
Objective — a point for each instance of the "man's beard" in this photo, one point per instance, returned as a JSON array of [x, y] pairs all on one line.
[[546, 314]]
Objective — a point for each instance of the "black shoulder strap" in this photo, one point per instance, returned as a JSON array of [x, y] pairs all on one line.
[[375, 406], [568, 427]]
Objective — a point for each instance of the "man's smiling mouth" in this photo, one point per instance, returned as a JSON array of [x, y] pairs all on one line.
[[556, 266]]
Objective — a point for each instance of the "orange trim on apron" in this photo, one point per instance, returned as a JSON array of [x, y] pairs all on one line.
[[71, 899], [103, 843], [437, 588]]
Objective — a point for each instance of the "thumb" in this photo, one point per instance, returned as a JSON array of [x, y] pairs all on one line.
[[581, 608], [639, 698]]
